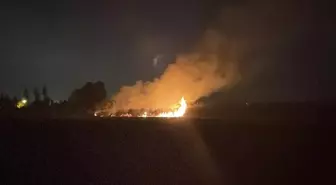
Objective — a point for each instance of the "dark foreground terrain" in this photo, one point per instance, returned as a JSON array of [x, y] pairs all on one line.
[[259, 149]]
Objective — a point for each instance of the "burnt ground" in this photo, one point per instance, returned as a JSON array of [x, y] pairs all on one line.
[[248, 148]]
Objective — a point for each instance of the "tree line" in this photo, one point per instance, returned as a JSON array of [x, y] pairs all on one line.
[[81, 102]]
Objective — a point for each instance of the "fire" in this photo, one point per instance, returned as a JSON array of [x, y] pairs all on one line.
[[178, 113]]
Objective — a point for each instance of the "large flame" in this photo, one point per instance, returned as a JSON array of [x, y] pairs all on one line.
[[177, 113]]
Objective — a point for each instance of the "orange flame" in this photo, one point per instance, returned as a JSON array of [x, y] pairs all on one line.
[[178, 113]]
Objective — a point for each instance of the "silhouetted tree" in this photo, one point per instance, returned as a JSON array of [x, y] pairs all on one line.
[[6, 102], [87, 97], [26, 94], [106, 105], [46, 99], [45, 92], [37, 95]]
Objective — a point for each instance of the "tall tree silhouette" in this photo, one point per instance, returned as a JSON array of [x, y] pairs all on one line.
[[46, 98], [37, 95], [26, 94], [45, 92]]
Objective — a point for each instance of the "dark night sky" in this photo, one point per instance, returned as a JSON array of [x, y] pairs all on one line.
[[64, 44]]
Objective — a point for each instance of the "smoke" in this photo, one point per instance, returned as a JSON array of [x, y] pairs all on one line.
[[192, 75], [252, 33]]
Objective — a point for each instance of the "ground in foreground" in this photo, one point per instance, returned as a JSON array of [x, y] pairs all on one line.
[[167, 151]]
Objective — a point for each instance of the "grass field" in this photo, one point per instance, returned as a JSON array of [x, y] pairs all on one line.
[[254, 149]]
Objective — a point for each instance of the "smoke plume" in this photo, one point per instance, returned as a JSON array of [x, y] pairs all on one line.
[[253, 32], [192, 75]]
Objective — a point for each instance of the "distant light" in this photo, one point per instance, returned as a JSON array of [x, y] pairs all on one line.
[[22, 103]]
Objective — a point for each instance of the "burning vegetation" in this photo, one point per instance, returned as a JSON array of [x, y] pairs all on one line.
[[191, 77], [179, 111]]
